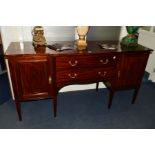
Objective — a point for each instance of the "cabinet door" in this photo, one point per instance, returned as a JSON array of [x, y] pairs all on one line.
[[30, 77], [132, 69]]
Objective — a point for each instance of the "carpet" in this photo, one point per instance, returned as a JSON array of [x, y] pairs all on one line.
[[85, 109]]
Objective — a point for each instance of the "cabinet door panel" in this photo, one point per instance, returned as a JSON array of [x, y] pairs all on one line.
[[31, 76], [133, 68]]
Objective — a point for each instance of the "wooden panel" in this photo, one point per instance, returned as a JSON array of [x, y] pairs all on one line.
[[104, 60], [32, 76], [133, 68], [84, 74]]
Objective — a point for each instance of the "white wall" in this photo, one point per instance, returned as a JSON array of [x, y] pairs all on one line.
[[9, 34], [23, 33], [104, 33], [123, 32], [59, 33], [147, 39]]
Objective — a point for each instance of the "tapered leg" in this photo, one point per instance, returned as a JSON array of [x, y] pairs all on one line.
[[55, 106], [111, 94], [135, 95], [18, 108], [97, 84]]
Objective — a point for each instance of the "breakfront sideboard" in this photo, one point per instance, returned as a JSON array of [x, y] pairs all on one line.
[[41, 72]]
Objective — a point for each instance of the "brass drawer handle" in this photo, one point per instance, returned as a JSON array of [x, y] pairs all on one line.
[[72, 76], [104, 61], [73, 63], [102, 74], [50, 80]]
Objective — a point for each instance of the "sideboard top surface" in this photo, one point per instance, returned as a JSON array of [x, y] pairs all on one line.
[[17, 48]]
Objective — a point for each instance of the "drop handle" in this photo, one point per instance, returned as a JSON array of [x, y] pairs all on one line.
[[102, 74], [72, 76], [73, 63], [104, 61]]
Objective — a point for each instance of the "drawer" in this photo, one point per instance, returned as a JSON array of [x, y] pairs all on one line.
[[85, 74], [68, 62]]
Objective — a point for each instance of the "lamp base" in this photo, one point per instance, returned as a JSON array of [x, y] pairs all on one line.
[[81, 44], [129, 41]]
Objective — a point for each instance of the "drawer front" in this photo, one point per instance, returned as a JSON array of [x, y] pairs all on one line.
[[68, 62], [85, 74]]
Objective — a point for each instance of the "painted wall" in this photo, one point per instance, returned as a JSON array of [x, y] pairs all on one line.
[[104, 33], [10, 34], [23, 33], [147, 39], [59, 33]]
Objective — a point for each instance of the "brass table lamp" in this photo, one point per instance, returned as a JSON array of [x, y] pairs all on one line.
[[82, 32], [38, 36], [131, 40]]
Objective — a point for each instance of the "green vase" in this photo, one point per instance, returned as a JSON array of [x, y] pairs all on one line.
[[132, 38]]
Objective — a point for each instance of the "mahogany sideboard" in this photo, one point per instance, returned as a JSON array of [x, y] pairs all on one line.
[[40, 73]]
